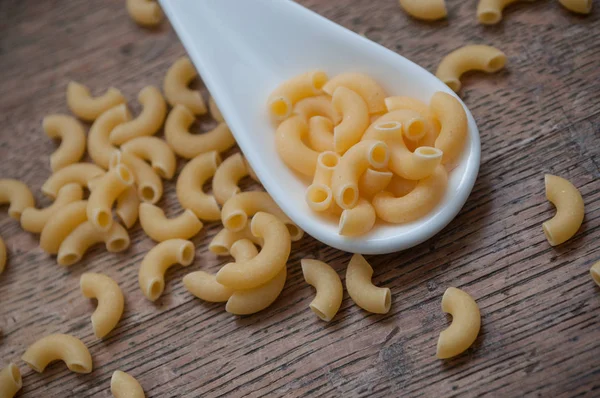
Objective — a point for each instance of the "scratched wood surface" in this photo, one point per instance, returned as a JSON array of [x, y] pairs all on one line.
[[540, 309]]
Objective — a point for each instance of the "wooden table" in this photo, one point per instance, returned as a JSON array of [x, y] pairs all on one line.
[[540, 309]]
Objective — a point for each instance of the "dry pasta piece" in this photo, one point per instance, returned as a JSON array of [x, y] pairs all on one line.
[[99, 147], [222, 242], [320, 105], [282, 99], [61, 224], [373, 181], [123, 385], [594, 272], [110, 301], [2, 255], [189, 145], [291, 147], [72, 136], [355, 118], [17, 195], [128, 204], [359, 220], [318, 195], [78, 173], [416, 204], [85, 235], [328, 285], [431, 123], [145, 12], [205, 286], [466, 322], [489, 12], [472, 57], [214, 110], [189, 186], [149, 184], [161, 257], [101, 200], [427, 10], [578, 6], [58, 347], [226, 177], [175, 87], [148, 122], [399, 186], [34, 220], [155, 151], [320, 134], [455, 129], [364, 85], [569, 210], [160, 228], [88, 108], [10, 381], [362, 291]]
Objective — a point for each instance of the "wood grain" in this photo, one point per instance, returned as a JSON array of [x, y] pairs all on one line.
[[540, 308]]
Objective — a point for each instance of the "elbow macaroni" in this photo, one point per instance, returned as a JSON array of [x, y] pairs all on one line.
[[61, 224], [355, 118], [99, 147], [569, 210], [72, 136], [160, 228], [373, 181], [370, 91], [454, 127], [128, 204], [10, 381], [359, 220], [189, 186], [110, 301], [34, 220], [88, 108], [149, 184], [427, 10], [310, 107], [154, 150], [320, 134], [291, 148], [227, 175], [175, 87], [466, 322], [144, 12], [489, 12], [78, 173], [328, 285], [100, 202], [362, 291], [282, 99], [594, 272], [85, 235], [17, 195], [56, 347], [223, 241], [318, 195], [123, 385], [578, 6]]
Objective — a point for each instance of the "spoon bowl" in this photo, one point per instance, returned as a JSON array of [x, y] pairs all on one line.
[[245, 49]]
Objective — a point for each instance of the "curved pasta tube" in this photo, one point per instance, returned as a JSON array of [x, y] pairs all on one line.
[[149, 184], [145, 12], [268, 263], [85, 235], [175, 87], [2, 255], [189, 145], [17, 195], [154, 150], [373, 181], [355, 118], [128, 204], [110, 301], [427, 10], [72, 136], [370, 91], [57, 347], [78, 173], [472, 57], [569, 210], [88, 108], [101, 200], [359, 220], [243, 250], [34, 220], [399, 186], [344, 182], [10, 381], [466, 322], [251, 301], [455, 129], [99, 147], [214, 110], [160, 228], [578, 6], [291, 147], [318, 195], [320, 134], [225, 180], [282, 99], [223, 241], [61, 224], [594, 272], [239, 208], [362, 291], [148, 122], [417, 203], [161, 257], [320, 105], [123, 385], [489, 12], [328, 285], [431, 124], [189, 186]]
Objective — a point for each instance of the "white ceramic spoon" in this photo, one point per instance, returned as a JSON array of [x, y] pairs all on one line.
[[244, 48]]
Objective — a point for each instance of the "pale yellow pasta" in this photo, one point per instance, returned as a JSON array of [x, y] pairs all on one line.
[[466, 322], [58, 347], [100, 202], [268, 263], [417, 203], [78, 173], [358, 220], [578, 6], [85, 235], [34, 220], [225, 180], [569, 210], [214, 110], [128, 204], [282, 99], [489, 12], [99, 147], [189, 186], [361, 289], [320, 134], [289, 142], [222, 241], [239, 208], [370, 91], [123, 385], [17, 195], [432, 124], [161, 257], [2, 255], [427, 10], [148, 122], [455, 129], [205, 286], [88, 108], [145, 12], [188, 145], [175, 87], [320, 105], [328, 285], [344, 182], [148, 183], [399, 186], [61, 224], [595, 272], [373, 181], [251, 301], [243, 250], [160, 228], [318, 194], [10, 381], [155, 151], [110, 301], [472, 57], [72, 137], [355, 118]]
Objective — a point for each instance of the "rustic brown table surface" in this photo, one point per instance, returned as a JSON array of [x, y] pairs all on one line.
[[540, 309]]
